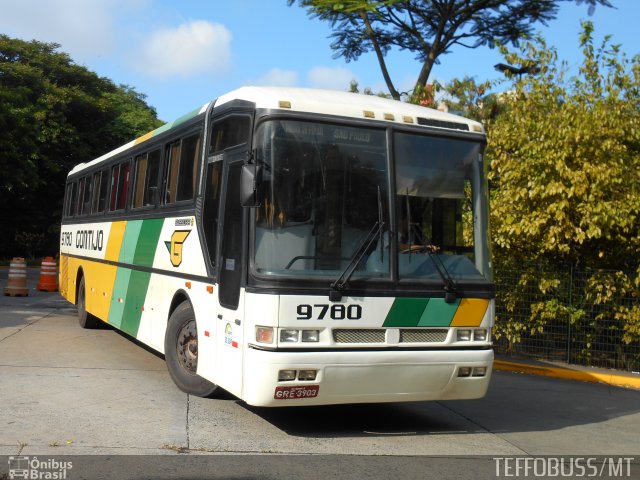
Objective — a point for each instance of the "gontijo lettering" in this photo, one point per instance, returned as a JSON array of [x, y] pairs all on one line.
[[90, 239]]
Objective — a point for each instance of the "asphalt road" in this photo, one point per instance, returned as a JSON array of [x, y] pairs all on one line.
[[68, 391]]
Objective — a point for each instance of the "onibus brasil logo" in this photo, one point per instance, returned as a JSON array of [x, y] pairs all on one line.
[[33, 468]]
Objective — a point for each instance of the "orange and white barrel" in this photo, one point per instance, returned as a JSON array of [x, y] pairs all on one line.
[[48, 275], [17, 281]]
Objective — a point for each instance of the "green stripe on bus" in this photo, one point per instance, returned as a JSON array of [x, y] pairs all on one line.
[[405, 312], [130, 241], [438, 313], [130, 287], [420, 312], [120, 287], [134, 302], [147, 242]]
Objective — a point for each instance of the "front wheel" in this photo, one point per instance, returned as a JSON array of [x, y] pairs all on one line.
[[181, 352]]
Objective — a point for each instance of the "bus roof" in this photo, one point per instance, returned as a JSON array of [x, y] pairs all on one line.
[[308, 100]]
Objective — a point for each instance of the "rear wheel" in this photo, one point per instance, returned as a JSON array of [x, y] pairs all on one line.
[[181, 352], [85, 319]]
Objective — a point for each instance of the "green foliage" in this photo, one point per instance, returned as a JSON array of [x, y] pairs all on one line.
[[565, 161], [53, 115], [427, 28]]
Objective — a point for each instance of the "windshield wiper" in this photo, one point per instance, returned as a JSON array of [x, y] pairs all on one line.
[[339, 286], [450, 287]]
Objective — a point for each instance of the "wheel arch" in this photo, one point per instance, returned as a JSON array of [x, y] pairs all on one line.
[[179, 297], [79, 276]]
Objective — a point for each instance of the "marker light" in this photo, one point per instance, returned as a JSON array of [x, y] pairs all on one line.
[[310, 335], [464, 335], [264, 334], [289, 335]]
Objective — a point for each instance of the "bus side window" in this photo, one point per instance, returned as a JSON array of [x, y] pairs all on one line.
[[115, 174], [189, 156], [140, 176], [78, 204], [151, 179], [95, 191], [72, 191], [182, 169], [123, 185], [104, 190], [173, 164]]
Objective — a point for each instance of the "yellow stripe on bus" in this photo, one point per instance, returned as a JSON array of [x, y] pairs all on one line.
[[115, 241], [470, 312], [99, 280]]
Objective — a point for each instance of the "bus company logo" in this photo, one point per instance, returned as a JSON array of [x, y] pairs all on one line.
[[33, 468], [175, 246]]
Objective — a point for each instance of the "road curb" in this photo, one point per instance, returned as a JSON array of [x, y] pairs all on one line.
[[626, 381]]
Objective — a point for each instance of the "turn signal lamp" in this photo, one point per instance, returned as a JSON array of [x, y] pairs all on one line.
[[264, 334]]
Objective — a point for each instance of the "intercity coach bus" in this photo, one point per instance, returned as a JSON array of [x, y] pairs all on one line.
[[293, 247]]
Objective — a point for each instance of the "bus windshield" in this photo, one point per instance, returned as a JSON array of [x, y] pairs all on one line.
[[326, 185]]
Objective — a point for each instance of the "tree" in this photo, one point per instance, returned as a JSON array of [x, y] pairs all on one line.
[[428, 28], [565, 158], [53, 115]]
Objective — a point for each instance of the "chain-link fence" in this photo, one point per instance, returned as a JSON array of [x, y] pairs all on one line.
[[584, 317]]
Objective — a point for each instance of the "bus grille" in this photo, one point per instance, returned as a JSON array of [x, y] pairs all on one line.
[[353, 335], [431, 335], [377, 335]]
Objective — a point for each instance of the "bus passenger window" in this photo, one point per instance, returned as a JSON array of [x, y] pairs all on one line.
[[188, 168], [95, 191], [104, 190], [141, 173], [86, 197], [123, 185], [115, 174], [151, 179], [119, 186], [173, 164], [182, 169], [78, 204], [72, 190]]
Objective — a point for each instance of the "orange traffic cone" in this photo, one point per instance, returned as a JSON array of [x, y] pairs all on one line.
[[48, 275], [17, 284]]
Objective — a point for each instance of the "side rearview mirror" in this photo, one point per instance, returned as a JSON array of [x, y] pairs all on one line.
[[250, 182]]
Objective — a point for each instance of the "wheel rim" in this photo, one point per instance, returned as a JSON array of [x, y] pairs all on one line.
[[187, 347]]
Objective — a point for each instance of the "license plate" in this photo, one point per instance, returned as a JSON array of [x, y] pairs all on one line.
[[293, 392]]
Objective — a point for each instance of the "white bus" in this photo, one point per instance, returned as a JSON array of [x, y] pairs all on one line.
[[293, 247]]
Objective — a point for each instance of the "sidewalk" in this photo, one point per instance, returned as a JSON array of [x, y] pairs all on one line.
[[567, 372]]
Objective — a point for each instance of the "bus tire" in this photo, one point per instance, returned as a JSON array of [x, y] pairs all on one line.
[[181, 352], [85, 319]]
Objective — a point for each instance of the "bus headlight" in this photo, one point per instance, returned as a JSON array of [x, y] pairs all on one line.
[[310, 335], [264, 334], [288, 335], [463, 335], [480, 335]]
